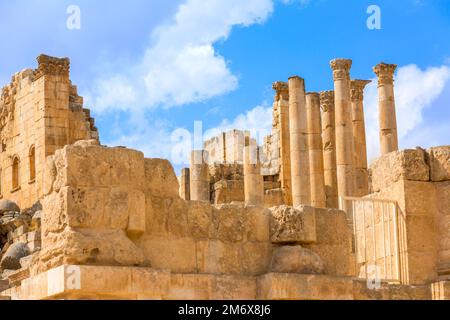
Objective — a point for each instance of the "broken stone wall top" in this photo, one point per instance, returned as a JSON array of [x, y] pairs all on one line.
[[412, 165]]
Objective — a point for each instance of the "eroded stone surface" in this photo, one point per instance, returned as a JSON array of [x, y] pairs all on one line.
[[293, 225], [295, 259]]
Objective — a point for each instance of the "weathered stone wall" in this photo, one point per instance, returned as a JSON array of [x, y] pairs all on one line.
[[100, 209], [419, 181]]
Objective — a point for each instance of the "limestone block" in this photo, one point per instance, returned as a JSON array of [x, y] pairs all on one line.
[[156, 216], [255, 258], [274, 198], [136, 213], [420, 198], [422, 266], [95, 166], [218, 257], [289, 225], [440, 163], [390, 292], [288, 286], [87, 246], [295, 259], [160, 179], [200, 223], [399, 165], [257, 224], [190, 287], [333, 242], [234, 288], [174, 254], [177, 218], [230, 223]]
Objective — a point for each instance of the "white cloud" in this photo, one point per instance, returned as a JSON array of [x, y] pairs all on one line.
[[180, 65], [416, 91]]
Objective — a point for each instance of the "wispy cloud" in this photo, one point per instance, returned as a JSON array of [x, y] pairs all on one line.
[[180, 65]]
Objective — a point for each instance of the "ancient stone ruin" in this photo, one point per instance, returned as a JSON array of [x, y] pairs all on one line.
[[301, 217]]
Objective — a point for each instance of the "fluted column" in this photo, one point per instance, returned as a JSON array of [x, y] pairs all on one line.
[[301, 193], [281, 104], [199, 176], [329, 148], [253, 180], [359, 137], [316, 170], [388, 118], [185, 193], [344, 130]]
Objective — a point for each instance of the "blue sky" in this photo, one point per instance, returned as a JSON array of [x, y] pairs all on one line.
[[147, 68]]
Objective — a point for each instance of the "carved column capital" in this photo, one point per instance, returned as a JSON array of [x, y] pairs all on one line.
[[341, 69], [357, 89], [385, 73], [52, 66], [282, 90], [327, 100]]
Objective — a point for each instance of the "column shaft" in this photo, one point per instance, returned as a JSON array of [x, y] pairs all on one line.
[[359, 137], [282, 105], [185, 193], [199, 176], [316, 169], [253, 180], [329, 148], [301, 193], [344, 130], [388, 118]]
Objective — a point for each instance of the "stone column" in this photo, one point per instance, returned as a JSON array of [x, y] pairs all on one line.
[[185, 193], [329, 148], [199, 176], [344, 130], [301, 193], [388, 118], [359, 137], [315, 146], [253, 180], [281, 104]]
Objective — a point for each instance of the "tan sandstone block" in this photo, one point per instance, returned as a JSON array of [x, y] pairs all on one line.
[[290, 225], [160, 178], [217, 257], [255, 257], [136, 213], [399, 165], [283, 286], [440, 163], [200, 220], [174, 254], [390, 292]]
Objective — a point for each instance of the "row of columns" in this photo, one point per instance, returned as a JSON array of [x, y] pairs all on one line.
[[329, 151], [324, 136]]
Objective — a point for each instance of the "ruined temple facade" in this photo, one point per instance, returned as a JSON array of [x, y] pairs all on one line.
[[41, 112], [301, 217]]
